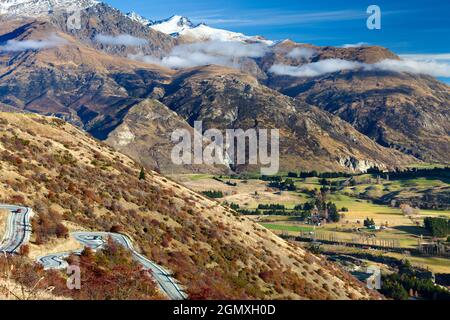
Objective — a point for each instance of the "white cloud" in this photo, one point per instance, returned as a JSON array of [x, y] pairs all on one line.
[[432, 68], [226, 53], [46, 43], [120, 40], [179, 61], [225, 48], [314, 69], [355, 45], [302, 53], [427, 57]]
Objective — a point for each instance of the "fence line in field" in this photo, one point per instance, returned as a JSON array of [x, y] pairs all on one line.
[[392, 245]]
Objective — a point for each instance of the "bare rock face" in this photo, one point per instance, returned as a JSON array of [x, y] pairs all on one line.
[[104, 20], [359, 165]]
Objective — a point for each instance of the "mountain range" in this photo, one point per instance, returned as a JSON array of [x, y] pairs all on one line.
[[89, 99], [131, 82]]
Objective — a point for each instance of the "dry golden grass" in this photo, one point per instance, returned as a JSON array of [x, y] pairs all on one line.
[[434, 264], [3, 220], [247, 195]]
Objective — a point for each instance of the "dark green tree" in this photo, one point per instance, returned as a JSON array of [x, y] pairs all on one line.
[[142, 174], [438, 227], [333, 213], [369, 222]]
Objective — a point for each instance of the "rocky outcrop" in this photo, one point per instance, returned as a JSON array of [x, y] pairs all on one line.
[[357, 165]]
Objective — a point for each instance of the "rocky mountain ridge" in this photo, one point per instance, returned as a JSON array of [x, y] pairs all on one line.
[[94, 85]]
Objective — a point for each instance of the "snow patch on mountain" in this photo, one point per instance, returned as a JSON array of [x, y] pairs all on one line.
[[173, 26], [182, 27], [203, 32], [140, 19], [33, 8]]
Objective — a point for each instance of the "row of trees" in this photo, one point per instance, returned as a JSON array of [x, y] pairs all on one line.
[[271, 206], [287, 185], [408, 282], [414, 173], [315, 208], [324, 175], [213, 194], [397, 174]]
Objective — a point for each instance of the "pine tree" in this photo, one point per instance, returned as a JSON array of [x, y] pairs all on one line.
[[142, 174]]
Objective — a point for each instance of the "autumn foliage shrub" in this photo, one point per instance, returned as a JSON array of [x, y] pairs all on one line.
[[112, 274], [47, 225]]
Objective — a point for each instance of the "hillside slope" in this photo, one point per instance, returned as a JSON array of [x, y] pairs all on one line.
[[145, 135], [310, 138], [50, 165]]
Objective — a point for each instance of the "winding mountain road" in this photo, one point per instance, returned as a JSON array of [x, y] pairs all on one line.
[[18, 228], [97, 240], [18, 232]]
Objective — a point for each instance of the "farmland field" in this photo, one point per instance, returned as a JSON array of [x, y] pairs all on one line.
[[355, 203]]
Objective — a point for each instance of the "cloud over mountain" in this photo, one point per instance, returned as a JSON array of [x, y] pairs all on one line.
[[355, 45], [120, 40], [46, 43], [432, 68], [226, 53], [304, 53], [315, 69]]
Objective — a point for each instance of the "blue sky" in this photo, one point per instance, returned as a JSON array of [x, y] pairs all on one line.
[[414, 26]]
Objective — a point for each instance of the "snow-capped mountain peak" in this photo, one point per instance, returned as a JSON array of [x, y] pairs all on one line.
[[138, 18], [179, 26], [34, 8], [174, 25], [203, 32]]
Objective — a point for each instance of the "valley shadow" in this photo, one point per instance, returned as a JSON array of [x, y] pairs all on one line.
[[15, 33], [414, 230]]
